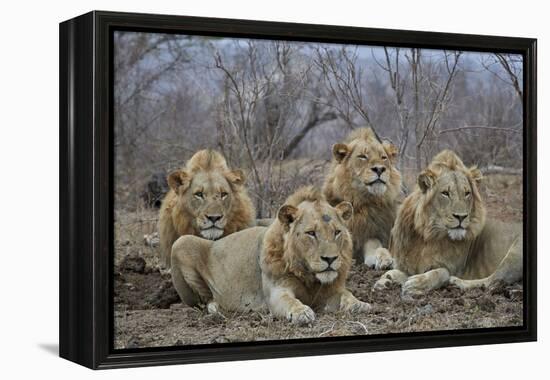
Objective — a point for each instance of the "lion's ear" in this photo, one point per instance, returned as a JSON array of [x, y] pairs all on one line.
[[179, 180], [345, 209], [476, 174], [236, 177], [340, 151], [426, 180], [390, 149], [287, 214]]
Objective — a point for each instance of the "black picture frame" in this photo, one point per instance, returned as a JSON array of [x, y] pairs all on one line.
[[86, 189]]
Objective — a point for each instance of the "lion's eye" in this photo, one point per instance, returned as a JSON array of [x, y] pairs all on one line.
[[445, 193], [362, 157], [310, 233], [199, 194], [384, 158], [223, 195], [467, 193], [337, 233]]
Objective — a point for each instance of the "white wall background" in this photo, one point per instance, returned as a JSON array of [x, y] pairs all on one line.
[[29, 171]]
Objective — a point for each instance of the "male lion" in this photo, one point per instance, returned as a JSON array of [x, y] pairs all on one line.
[[206, 199], [298, 263], [363, 173], [441, 234]]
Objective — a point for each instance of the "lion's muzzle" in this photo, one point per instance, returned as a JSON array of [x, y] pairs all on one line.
[[212, 226], [328, 272], [458, 232], [376, 183]]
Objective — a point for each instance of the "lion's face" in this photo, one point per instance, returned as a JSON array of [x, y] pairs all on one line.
[[370, 164], [450, 202], [317, 239], [208, 197]]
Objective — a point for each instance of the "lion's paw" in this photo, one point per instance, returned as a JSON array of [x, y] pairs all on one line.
[[301, 315], [360, 307], [464, 285], [350, 304], [457, 282], [213, 308], [416, 286], [382, 284], [383, 262]]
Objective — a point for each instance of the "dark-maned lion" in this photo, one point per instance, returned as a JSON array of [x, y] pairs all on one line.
[[206, 199], [363, 173]]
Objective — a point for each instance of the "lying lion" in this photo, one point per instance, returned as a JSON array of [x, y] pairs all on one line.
[[441, 234], [363, 173], [206, 199], [298, 263]]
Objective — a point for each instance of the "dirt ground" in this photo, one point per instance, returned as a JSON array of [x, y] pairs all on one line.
[[148, 312]]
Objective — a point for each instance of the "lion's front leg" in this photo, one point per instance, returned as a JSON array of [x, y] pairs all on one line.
[[346, 301], [283, 304], [394, 276], [470, 284], [422, 283], [376, 256]]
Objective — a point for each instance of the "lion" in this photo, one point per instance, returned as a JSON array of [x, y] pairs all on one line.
[[441, 234], [297, 264], [205, 199], [363, 173]]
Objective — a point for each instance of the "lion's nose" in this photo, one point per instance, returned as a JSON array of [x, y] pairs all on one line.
[[214, 218], [329, 259], [378, 169], [460, 217]]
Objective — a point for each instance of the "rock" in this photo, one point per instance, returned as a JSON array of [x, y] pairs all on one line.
[[179, 342], [165, 296], [133, 263]]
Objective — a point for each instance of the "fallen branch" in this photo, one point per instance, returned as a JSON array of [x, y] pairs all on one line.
[[480, 127], [494, 169]]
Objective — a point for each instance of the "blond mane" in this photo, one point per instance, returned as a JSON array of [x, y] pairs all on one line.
[[279, 259], [441, 234], [374, 215], [366, 134], [414, 227], [206, 160]]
